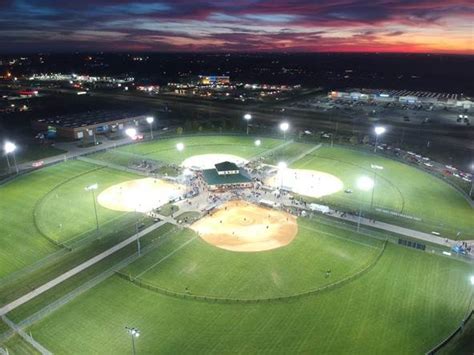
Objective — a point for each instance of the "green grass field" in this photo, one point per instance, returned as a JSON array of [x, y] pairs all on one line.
[[50, 205], [399, 188], [165, 149], [316, 249], [407, 302]]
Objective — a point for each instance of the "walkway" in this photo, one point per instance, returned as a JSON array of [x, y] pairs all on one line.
[[45, 287]]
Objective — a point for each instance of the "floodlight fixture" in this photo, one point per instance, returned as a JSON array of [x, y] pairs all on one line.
[[180, 147], [150, 119], [9, 147], [258, 142], [379, 130]]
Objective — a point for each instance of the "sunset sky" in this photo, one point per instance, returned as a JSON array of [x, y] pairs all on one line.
[[237, 25]]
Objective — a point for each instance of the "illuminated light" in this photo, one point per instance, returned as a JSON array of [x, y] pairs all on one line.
[[131, 132], [9, 147], [258, 142], [379, 130], [180, 147], [248, 116], [365, 183], [284, 126], [282, 165], [150, 119]]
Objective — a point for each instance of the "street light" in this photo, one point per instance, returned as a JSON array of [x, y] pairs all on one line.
[[284, 127], [258, 142], [378, 131], [247, 117], [134, 333], [92, 188], [364, 183], [9, 148], [150, 120], [180, 147]]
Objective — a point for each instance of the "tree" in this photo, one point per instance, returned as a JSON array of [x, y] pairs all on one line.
[[354, 140], [200, 128], [179, 131], [365, 140]]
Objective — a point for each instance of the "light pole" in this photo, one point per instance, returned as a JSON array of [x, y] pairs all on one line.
[[180, 147], [378, 131], [281, 168], [284, 127], [472, 180], [9, 148], [150, 120], [364, 183], [247, 117], [258, 142], [375, 167], [134, 333], [91, 188]]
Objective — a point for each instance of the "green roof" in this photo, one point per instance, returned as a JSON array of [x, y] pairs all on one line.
[[213, 178], [226, 166]]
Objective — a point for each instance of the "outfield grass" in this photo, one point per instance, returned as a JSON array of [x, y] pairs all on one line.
[[405, 304], [30, 153], [399, 188], [50, 205], [299, 267], [165, 149], [67, 211]]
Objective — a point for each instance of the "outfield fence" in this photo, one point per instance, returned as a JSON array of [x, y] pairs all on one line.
[[456, 332], [96, 280], [227, 300]]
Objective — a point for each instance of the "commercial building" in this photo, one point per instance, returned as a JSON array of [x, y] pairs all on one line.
[[404, 97], [214, 80], [89, 124]]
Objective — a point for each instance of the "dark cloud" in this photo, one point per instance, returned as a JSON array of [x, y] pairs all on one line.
[[228, 24]]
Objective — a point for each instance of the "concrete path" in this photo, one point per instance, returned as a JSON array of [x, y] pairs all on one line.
[[45, 287]]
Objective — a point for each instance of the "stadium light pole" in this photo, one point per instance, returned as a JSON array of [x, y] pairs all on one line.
[[281, 168], [284, 127], [472, 180], [180, 147], [364, 183], [247, 117], [379, 130], [9, 148], [258, 142], [92, 188], [134, 333], [375, 167], [150, 121]]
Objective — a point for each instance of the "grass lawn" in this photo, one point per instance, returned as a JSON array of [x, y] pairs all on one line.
[[405, 304], [21, 243], [165, 149], [301, 266], [399, 188], [67, 211], [287, 153], [30, 153]]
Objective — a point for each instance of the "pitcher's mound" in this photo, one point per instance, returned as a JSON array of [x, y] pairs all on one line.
[[142, 195], [245, 227], [207, 161]]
